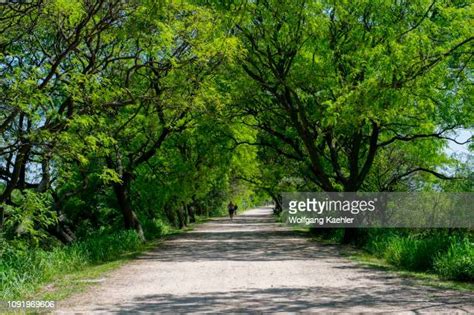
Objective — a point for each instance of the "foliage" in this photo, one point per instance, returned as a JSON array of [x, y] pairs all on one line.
[[414, 253], [146, 115], [458, 262], [30, 220], [335, 85], [22, 272], [447, 253]]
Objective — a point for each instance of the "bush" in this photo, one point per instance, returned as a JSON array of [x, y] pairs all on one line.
[[414, 252], [458, 262], [155, 228]]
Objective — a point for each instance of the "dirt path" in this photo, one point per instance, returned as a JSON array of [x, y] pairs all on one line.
[[252, 264]]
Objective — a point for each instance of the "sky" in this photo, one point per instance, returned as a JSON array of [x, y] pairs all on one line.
[[460, 136]]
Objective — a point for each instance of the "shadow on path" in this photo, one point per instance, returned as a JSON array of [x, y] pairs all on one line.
[[255, 264], [294, 300]]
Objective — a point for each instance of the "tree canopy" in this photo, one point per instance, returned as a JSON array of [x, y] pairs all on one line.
[[115, 113]]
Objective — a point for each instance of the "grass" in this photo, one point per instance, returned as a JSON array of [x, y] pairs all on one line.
[[458, 262], [53, 275], [437, 258], [64, 285], [451, 257], [410, 252], [23, 272], [56, 274], [425, 278]]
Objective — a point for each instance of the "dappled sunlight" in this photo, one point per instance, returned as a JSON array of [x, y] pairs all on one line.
[[254, 263], [292, 299]]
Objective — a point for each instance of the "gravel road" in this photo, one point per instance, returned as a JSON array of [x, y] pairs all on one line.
[[254, 265]]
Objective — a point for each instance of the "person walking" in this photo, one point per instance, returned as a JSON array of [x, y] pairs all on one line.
[[231, 209]]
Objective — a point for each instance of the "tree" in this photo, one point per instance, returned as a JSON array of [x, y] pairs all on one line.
[[98, 87], [51, 54], [163, 80], [335, 83]]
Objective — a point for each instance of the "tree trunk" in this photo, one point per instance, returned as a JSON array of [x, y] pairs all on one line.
[[180, 218], [123, 197], [62, 232], [350, 235], [170, 215], [61, 229], [2, 216], [192, 217], [20, 160], [278, 203]]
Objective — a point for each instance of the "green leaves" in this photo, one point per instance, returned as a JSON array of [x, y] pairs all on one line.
[[31, 218], [349, 75], [151, 106], [110, 176]]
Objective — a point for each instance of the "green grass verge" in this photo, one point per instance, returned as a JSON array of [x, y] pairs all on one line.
[[64, 285], [56, 274], [369, 260], [425, 278]]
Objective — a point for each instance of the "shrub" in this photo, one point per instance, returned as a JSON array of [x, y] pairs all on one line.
[[155, 228], [458, 262], [414, 252]]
